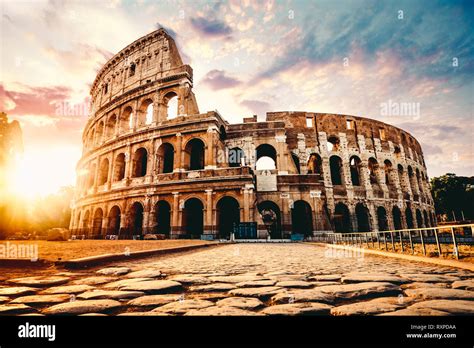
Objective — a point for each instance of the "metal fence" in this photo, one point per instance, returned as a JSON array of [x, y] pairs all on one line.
[[441, 239]]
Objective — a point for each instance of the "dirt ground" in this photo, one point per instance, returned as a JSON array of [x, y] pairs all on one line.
[[74, 249]]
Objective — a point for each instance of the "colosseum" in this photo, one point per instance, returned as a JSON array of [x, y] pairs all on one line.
[[153, 164]]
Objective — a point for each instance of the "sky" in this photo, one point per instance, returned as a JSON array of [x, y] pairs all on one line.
[[248, 57]]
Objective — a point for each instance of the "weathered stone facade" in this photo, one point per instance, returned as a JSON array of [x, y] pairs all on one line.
[[145, 172]]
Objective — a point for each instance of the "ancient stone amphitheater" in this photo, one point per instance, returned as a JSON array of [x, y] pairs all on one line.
[[154, 164]]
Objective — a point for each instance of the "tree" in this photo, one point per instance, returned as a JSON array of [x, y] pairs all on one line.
[[453, 193]]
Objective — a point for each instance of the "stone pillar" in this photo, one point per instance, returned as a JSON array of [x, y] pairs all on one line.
[[210, 150], [178, 166], [128, 164], [208, 227], [282, 156], [246, 217], [175, 224], [110, 172], [285, 214], [156, 113]]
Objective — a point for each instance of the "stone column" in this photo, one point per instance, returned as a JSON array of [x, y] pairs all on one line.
[[282, 156], [110, 172], [208, 227], [209, 156], [178, 167], [246, 217], [175, 225], [128, 164]]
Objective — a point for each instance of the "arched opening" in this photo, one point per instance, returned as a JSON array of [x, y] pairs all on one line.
[[114, 221], [400, 175], [342, 218], [419, 219], [315, 164], [126, 119], [363, 221], [271, 216], [111, 124], [418, 180], [354, 164], [99, 133], [165, 157], [397, 218], [104, 171], [171, 104], [332, 143], [302, 218], [382, 219], [193, 218], [335, 164], [387, 171], [136, 219], [97, 222], [85, 223], [140, 159], [194, 154], [373, 167], [91, 141], [91, 178], [236, 157], [432, 219], [296, 161], [119, 168], [266, 157], [148, 111], [425, 219], [409, 217], [228, 214], [411, 177], [163, 218]]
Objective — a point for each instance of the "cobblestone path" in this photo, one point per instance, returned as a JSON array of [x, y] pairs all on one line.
[[247, 279]]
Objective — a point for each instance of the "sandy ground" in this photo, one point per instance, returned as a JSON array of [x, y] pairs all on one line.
[[54, 251]]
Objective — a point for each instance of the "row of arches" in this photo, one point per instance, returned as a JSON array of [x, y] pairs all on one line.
[[132, 224], [130, 118], [344, 221], [194, 155]]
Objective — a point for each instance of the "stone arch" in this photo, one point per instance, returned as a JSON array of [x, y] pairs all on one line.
[[163, 218], [315, 164], [363, 218], [136, 219], [409, 217], [387, 171], [373, 167], [271, 216], [99, 133], [266, 157], [342, 218], [165, 158], [111, 126], [103, 171], [119, 167], [171, 105], [296, 161], [139, 165], [382, 219], [145, 112], [193, 218], [302, 218], [114, 221], [236, 157], [85, 222], [354, 165], [97, 222], [397, 218], [335, 164], [91, 177], [333, 143], [228, 214], [126, 119], [419, 219], [194, 154], [425, 219]]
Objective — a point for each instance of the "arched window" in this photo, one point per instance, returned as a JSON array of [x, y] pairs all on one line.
[[419, 219], [163, 218], [126, 119], [136, 219], [104, 171], [236, 157], [85, 223], [228, 214], [296, 161], [354, 164], [193, 218], [373, 167], [266, 157], [425, 218], [165, 158], [145, 113], [409, 217], [119, 168], [315, 164], [194, 154], [149, 114], [397, 218], [99, 133], [302, 218], [97, 222], [335, 163], [342, 218], [114, 221], [91, 180], [388, 170], [140, 159], [111, 124], [382, 219], [332, 143], [271, 217], [171, 104], [363, 221]]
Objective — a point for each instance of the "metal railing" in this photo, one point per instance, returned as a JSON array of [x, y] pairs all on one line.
[[444, 239]]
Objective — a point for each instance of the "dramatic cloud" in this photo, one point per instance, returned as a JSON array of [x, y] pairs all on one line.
[[258, 107], [217, 79], [210, 27]]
